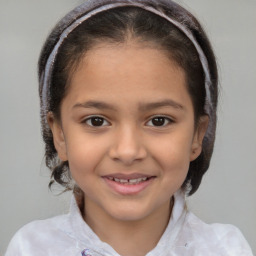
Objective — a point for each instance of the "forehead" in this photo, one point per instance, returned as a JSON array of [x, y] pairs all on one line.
[[127, 61], [129, 71]]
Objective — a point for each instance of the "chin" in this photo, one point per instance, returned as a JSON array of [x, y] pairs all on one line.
[[130, 212]]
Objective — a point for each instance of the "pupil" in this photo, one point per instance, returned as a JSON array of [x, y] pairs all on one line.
[[158, 121], [97, 121]]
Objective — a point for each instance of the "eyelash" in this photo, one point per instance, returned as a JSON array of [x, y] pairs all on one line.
[[167, 121], [89, 121]]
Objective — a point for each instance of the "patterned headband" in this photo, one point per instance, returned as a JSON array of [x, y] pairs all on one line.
[[45, 79]]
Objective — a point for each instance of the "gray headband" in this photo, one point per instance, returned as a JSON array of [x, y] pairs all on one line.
[[46, 75]]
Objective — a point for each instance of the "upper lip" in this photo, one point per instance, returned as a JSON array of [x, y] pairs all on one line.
[[127, 176]]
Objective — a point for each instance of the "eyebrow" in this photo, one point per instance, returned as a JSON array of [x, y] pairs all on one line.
[[142, 106], [95, 104], [160, 104]]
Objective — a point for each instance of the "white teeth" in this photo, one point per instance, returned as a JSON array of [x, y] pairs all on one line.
[[131, 181]]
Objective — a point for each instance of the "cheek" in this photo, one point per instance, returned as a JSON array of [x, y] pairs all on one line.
[[84, 154], [173, 152]]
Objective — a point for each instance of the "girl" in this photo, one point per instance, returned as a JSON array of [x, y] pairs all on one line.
[[128, 93]]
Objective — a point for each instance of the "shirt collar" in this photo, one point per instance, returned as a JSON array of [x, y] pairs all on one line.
[[87, 239]]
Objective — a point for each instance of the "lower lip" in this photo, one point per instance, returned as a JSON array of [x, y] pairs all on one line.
[[127, 189]]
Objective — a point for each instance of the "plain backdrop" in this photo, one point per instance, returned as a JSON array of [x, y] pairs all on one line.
[[228, 190]]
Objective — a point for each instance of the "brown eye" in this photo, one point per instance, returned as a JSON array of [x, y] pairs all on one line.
[[96, 121], [159, 121]]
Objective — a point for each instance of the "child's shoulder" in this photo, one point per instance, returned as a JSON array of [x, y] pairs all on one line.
[[37, 237], [223, 238]]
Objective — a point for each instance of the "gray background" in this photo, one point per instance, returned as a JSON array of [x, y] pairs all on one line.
[[228, 191]]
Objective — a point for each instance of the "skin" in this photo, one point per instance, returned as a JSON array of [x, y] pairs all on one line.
[[128, 86]]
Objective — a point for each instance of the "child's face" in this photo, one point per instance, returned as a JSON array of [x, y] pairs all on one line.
[[127, 116]]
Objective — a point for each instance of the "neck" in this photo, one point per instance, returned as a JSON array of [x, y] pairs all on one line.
[[135, 238]]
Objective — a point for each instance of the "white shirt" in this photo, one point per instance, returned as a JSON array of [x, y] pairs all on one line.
[[185, 235]]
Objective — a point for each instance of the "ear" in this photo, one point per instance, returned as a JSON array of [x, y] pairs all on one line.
[[58, 136], [200, 131]]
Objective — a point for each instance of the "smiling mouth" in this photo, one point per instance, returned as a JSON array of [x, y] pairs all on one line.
[[128, 184], [129, 181]]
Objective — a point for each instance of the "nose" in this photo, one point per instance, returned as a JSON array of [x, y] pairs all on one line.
[[128, 146]]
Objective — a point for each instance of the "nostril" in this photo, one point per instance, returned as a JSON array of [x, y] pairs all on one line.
[[127, 156], [127, 145]]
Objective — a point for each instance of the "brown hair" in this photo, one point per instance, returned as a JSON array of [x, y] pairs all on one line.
[[114, 26]]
